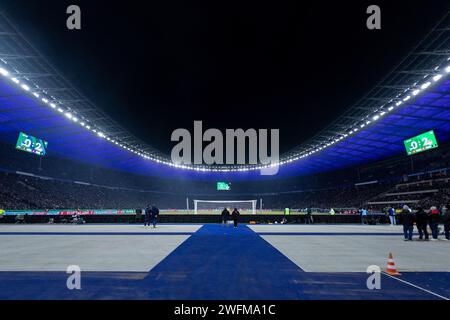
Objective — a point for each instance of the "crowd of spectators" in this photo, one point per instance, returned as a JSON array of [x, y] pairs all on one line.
[[425, 190], [19, 192], [22, 192], [101, 188], [339, 198]]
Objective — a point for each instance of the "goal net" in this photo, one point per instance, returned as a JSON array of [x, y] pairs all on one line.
[[216, 206]]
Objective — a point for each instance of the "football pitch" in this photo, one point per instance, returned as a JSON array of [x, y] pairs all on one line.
[[219, 262]]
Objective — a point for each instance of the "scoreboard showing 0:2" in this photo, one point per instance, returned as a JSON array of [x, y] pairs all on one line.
[[420, 143], [31, 144]]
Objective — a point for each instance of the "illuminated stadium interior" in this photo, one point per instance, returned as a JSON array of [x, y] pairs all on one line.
[[412, 99], [37, 100], [71, 171]]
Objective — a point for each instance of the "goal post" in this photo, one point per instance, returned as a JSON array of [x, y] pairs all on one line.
[[216, 206]]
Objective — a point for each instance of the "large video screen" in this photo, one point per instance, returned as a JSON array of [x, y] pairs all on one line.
[[223, 186], [420, 143], [31, 144]]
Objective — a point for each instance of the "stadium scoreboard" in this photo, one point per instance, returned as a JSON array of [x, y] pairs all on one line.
[[420, 143], [31, 144], [223, 186]]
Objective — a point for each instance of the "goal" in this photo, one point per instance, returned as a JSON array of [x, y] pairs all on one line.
[[216, 206]]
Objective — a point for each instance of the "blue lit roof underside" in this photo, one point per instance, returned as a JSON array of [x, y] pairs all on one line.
[[383, 138]]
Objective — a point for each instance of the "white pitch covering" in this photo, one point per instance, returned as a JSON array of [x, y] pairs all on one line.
[[135, 253], [352, 253]]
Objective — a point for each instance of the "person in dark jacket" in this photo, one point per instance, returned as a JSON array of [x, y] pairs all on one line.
[[446, 220], [147, 215], [308, 216], [154, 215], [225, 215], [434, 218], [138, 216], [408, 222], [422, 223], [235, 215]]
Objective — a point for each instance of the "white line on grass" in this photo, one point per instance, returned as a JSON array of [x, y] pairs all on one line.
[[413, 285]]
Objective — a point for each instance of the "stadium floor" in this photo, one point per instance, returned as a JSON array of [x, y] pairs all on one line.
[[280, 262]]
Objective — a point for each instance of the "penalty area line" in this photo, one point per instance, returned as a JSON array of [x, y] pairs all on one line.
[[415, 286]]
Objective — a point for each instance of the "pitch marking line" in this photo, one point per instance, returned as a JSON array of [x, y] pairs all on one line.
[[415, 286]]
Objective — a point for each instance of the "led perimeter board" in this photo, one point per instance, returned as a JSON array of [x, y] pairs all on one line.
[[31, 144], [420, 143]]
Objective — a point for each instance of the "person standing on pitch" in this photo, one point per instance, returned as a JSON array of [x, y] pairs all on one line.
[[147, 215], [408, 222], [434, 222], [154, 215], [308, 216], [391, 213], [225, 215], [235, 214], [446, 220], [422, 223], [364, 218]]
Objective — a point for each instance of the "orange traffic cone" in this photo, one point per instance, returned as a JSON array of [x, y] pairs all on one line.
[[391, 269]]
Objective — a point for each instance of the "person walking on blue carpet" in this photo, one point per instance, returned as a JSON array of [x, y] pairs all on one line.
[[225, 215], [235, 215]]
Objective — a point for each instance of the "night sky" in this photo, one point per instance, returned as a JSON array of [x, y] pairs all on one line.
[[289, 65]]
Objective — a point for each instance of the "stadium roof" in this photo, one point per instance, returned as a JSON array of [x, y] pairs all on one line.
[[413, 98]]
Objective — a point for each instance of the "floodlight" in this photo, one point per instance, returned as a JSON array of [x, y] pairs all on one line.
[[425, 85], [4, 72]]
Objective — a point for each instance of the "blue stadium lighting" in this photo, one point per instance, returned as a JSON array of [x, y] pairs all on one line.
[[408, 93], [415, 92]]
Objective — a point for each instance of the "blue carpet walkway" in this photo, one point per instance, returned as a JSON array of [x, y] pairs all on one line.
[[218, 263]]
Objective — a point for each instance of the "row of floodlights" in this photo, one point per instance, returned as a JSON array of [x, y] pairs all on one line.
[[54, 104], [406, 95], [58, 106]]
